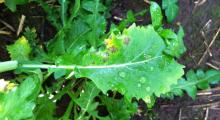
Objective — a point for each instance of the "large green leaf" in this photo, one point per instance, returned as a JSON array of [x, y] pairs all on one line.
[[135, 66]]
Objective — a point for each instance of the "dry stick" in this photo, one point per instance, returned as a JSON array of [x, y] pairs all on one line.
[[147, 1], [4, 32], [213, 40], [21, 25], [203, 35], [198, 3], [205, 105], [7, 25], [206, 114], [180, 114], [212, 66]]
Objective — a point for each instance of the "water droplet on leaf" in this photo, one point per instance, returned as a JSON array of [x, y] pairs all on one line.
[[143, 80], [148, 89], [122, 74]]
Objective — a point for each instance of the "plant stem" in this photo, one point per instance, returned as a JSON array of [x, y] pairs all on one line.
[[63, 15], [8, 65]]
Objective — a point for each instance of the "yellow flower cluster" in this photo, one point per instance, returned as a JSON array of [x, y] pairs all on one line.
[[6, 86], [1, 1]]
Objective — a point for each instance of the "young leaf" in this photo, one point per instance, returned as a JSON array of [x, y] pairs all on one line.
[[137, 67], [86, 100], [20, 50], [156, 15], [119, 109], [200, 79], [175, 45], [11, 4], [45, 108], [171, 9]]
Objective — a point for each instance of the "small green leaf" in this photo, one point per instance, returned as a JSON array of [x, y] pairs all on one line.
[[171, 9], [119, 109], [11, 4], [75, 9], [20, 50], [86, 100], [175, 45], [92, 6], [19, 103], [168, 34], [193, 80], [167, 3], [171, 12], [45, 108], [156, 15]]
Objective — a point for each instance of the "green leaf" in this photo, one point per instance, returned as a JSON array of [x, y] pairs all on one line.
[[93, 6], [20, 101], [20, 50], [130, 18], [171, 9], [167, 3], [136, 65], [45, 108], [202, 85], [167, 34], [175, 45], [75, 9], [97, 23], [63, 11], [119, 109], [200, 80], [11, 4], [86, 100], [156, 15], [171, 12]]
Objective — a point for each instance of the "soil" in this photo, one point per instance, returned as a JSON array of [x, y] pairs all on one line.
[[200, 20]]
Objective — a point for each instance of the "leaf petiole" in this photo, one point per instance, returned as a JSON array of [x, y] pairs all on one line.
[[8, 65]]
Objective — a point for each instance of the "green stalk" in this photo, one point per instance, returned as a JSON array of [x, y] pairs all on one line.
[[63, 11], [8, 65]]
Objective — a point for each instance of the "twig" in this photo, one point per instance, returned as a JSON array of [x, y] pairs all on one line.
[[4, 32], [118, 18], [21, 25], [205, 105], [206, 114], [209, 51], [204, 93], [198, 3], [204, 54], [212, 66], [180, 114], [7, 25], [147, 1]]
